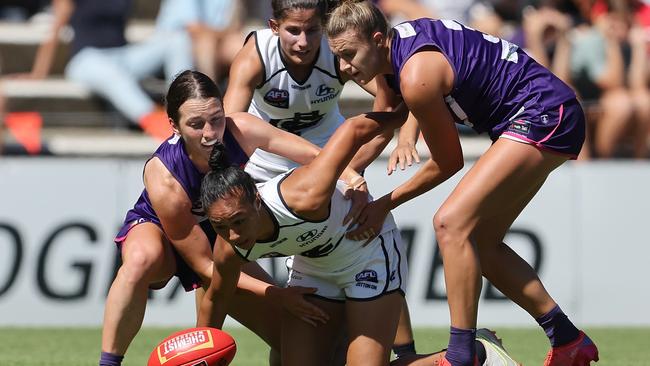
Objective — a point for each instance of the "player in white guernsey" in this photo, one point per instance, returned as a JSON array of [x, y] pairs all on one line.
[[302, 213], [288, 76]]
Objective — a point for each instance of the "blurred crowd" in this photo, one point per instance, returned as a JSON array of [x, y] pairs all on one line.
[[599, 47]]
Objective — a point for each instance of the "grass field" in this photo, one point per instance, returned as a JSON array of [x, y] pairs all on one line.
[[78, 346]]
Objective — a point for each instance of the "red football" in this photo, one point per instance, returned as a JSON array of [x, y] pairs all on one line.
[[194, 347]]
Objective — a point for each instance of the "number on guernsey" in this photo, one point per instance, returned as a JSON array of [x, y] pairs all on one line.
[[508, 50]]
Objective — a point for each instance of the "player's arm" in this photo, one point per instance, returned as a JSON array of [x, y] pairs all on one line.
[[253, 133], [225, 275], [423, 91], [246, 73], [405, 152], [309, 188], [173, 207], [425, 79], [385, 101]]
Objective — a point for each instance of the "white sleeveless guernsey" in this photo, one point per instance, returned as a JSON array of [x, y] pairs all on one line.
[[322, 241], [308, 108], [338, 267]]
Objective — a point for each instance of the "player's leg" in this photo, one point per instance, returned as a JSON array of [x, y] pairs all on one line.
[[305, 344], [147, 258], [495, 186], [515, 278], [489, 350], [371, 329], [404, 343], [504, 268]]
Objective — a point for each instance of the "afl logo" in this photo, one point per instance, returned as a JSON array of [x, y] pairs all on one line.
[[277, 98], [367, 275], [306, 236]]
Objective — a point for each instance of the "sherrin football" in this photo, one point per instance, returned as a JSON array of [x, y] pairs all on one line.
[[194, 347]]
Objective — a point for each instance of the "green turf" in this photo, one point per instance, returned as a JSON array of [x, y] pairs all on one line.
[[78, 346]]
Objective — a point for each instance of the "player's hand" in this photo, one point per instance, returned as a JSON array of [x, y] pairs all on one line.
[[403, 155], [370, 221], [359, 197], [293, 300]]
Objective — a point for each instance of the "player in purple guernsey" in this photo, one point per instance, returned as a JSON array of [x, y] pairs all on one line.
[[443, 72], [165, 234], [172, 153]]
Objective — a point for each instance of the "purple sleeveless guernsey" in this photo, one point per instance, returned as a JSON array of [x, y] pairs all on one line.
[[173, 155], [494, 81]]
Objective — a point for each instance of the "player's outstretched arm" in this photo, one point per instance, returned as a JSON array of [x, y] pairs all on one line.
[[225, 275], [309, 188], [252, 133]]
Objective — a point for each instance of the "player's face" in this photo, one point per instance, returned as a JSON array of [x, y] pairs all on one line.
[[300, 35], [236, 220], [202, 123], [359, 58]]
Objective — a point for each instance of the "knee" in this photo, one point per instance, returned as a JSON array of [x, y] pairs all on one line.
[[447, 225], [85, 67], [641, 99], [618, 103], [139, 266]]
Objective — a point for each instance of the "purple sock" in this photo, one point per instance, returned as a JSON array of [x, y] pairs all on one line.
[[110, 359], [461, 351], [558, 327], [404, 349]]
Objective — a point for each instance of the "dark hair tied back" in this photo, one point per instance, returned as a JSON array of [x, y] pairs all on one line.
[[225, 180], [218, 157], [187, 85]]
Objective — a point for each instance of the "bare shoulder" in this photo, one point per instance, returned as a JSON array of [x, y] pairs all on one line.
[[161, 184], [426, 71], [247, 65]]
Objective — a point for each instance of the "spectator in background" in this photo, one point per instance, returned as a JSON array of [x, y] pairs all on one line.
[[488, 16], [624, 27], [20, 10], [102, 60], [399, 10], [215, 28], [603, 54]]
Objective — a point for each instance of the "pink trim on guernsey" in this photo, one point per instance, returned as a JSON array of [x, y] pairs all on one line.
[[538, 144], [133, 224], [121, 238]]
